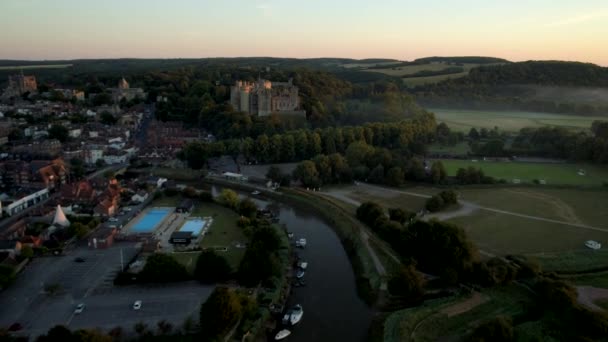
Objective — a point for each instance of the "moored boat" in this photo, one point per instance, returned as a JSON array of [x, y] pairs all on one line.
[[296, 314], [282, 334]]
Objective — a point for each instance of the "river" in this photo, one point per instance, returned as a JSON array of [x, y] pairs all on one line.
[[332, 309]]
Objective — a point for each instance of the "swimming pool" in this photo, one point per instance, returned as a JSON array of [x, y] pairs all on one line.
[[194, 225], [150, 221]]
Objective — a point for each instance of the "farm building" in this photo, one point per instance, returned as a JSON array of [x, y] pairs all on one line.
[[181, 238], [185, 206]]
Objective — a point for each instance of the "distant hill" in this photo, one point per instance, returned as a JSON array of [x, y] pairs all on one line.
[[548, 86], [463, 59]]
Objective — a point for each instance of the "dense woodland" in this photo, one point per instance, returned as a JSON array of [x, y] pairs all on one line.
[[507, 86]]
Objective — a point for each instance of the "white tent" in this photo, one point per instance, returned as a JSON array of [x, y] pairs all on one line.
[[60, 219]]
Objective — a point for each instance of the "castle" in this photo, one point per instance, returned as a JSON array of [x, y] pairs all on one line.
[[20, 84], [125, 92], [264, 97]]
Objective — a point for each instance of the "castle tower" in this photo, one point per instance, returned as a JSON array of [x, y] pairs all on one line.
[[123, 84], [60, 219]]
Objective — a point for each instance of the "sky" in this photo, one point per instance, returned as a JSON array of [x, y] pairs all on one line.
[[400, 29]]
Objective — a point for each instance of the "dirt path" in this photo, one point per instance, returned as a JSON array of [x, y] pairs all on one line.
[[453, 310], [465, 209], [382, 191], [561, 208], [587, 295], [467, 305]]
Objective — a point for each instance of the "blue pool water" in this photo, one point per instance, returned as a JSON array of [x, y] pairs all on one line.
[[150, 221], [195, 226]]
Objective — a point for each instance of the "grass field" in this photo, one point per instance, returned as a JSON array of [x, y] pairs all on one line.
[[187, 259], [553, 174], [501, 233], [510, 121], [460, 149], [41, 66], [418, 81], [451, 319], [223, 231]]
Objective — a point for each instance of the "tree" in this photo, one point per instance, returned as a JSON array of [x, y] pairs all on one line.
[[370, 212], [26, 252], [434, 204], [108, 119], [377, 174], [473, 134], [247, 208], [164, 327], [219, 314], [274, 174], [59, 333], [99, 163], [414, 170], [229, 198], [358, 153], [306, 172], [438, 173], [400, 215], [7, 275], [77, 167], [16, 134], [211, 268], [395, 176], [449, 197], [59, 132], [408, 283], [498, 329], [262, 148], [163, 268], [140, 328]]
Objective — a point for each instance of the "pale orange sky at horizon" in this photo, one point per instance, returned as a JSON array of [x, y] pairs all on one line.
[[404, 30]]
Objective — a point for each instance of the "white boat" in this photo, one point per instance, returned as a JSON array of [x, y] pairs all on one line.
[[282, 334], [296, 314], [300, 274], [301, 243], [286, 317], [255, 193], [302, 264], [593, 244]]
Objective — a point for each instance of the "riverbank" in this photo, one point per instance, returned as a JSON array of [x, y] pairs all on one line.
[[370, 282]]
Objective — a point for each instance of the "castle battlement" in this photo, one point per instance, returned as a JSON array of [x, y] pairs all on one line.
[[264, 97]]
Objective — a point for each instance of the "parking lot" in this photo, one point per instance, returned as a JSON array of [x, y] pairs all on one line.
[[90, 282]]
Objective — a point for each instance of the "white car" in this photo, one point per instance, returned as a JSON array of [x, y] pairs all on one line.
[[137, 305], [113, 219], [79, 308], [127, 209]]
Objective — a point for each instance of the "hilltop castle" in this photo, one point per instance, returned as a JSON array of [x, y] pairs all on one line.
[[124, 91], [20, 84], [264, 97]]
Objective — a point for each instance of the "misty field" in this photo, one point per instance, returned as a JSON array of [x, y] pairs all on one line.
[[26, 67], [510, 121], [552, 174]]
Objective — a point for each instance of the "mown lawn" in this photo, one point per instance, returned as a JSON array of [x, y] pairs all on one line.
[[552, 174], [506, 234], [510, 121], [223, 232]]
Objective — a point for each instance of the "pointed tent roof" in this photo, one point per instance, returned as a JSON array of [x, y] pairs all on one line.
[[60, 219]]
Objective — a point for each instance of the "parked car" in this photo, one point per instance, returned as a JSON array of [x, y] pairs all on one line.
[[127, 208], [137, 305], [113, 219], [79, 308], [78, 259]]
